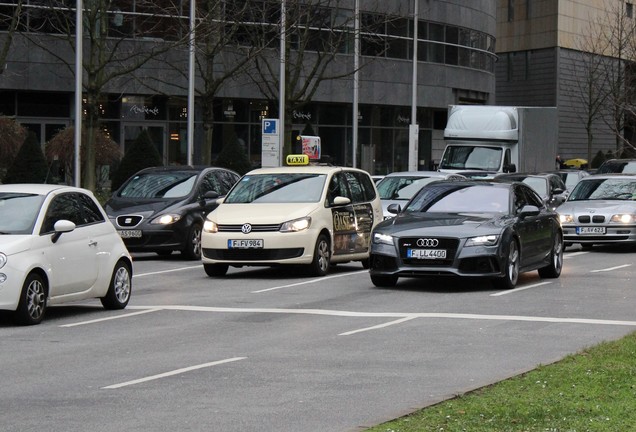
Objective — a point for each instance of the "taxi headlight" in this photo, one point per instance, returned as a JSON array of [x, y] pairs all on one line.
[[382, 238], [622, 218], [296, 225], [3, 260], [486, 240], [210, 227], [566, 218], [166, 219]]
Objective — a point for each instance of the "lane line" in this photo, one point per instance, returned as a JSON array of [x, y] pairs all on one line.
[[111, 318], [171, 373], [167, 271], [321, 279], [379, 326], [519, 289], [339, 313], [574, 254], [610, 268]]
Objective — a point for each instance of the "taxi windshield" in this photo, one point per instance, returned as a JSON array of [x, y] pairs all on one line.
[[277, 188]]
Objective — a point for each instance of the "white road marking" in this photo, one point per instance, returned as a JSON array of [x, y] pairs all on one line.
[[574, 254], [610, 268], [327, 312], [379, 326], [174, 372], [519, 289], [110, 318], [167, 271], [320, 279]]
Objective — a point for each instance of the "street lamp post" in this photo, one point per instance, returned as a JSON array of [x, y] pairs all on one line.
[[79, 32]]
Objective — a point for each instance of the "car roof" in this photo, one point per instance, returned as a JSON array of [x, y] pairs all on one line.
[[178, 168], [309, 169], [37, 188], [609, 175], [439, 174]]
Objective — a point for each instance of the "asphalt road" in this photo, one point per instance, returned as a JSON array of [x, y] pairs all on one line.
[[272, 350]]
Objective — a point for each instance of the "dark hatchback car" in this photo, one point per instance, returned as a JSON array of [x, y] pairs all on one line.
[[550, 187], [486, 229], [162, 209]]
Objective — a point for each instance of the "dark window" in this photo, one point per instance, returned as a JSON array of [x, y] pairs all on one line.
[[64, 206], [226, 180], [44, 105], [90, 210], [629, 10], [337, 187], [357, 193], [210, 183]]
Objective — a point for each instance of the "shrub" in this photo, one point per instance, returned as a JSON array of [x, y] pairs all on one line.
[[234, 157], [29, 165], [142, 153], [597, 160]]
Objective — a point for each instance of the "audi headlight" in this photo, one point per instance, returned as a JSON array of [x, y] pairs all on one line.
[[382, 238], [296, 225], [487, 240], [566, 218], [3, 260], [210, 227], [622, 218], [166, 219]]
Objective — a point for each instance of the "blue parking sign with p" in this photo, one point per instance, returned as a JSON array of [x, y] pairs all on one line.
[[270, 126]]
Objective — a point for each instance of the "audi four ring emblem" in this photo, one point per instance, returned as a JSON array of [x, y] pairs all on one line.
[[246, 228], [427, 242]]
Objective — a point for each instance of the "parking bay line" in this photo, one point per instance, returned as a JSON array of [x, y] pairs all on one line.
[[320, 279], [110, 318], [519, 289], [166, 271], [174, 372], [610, 268]]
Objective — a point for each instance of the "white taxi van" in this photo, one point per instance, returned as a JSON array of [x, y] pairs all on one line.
[[313, 215]]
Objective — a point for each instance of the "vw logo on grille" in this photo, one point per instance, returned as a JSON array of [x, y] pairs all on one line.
[[246, 228], [427, 242]]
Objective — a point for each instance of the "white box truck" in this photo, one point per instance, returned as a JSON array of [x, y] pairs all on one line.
[[499, 139]]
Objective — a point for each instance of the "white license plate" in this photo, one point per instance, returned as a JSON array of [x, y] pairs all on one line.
[[245, 244], [129, 233], [590, 230], [426, 253]]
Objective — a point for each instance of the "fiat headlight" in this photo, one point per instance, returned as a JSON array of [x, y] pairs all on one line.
[[166, 219], [3, 260], [566, 218], [210, 227], [486, 240], [622, 218], [382, 238], [296, 225]]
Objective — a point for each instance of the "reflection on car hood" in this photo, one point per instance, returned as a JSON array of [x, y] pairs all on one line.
[[598, 206], [145, 207], [13, 244], [256, 214], [449, 224]]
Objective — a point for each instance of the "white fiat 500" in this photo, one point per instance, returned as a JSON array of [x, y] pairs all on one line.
[[307, 215], [57, 245]]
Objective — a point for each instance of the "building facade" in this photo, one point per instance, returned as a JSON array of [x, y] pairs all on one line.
[[456, 64], [564, 53]]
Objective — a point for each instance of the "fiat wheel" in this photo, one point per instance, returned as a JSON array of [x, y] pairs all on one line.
[[32, 304]]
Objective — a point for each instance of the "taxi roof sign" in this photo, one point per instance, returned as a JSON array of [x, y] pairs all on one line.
[[297, 159]]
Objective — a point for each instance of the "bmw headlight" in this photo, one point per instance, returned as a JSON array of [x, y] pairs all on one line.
[[210, 227], [622, 218], [296, 225], [3, 260], [486, 240], [566, 218], [382, 238], [166, 219]]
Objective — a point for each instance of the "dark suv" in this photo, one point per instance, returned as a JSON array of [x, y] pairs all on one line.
[[625, 166], [162, 209]]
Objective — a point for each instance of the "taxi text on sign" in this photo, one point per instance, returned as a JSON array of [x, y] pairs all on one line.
[[297, 159]]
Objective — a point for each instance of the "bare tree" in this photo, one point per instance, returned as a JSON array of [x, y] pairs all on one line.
[[225, 32], [117, 43], [9, 22], [317, 31]]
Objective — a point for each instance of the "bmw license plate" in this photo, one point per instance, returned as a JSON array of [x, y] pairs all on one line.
[[426, 253], [590, 230], [245, 244], [129, 233]]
